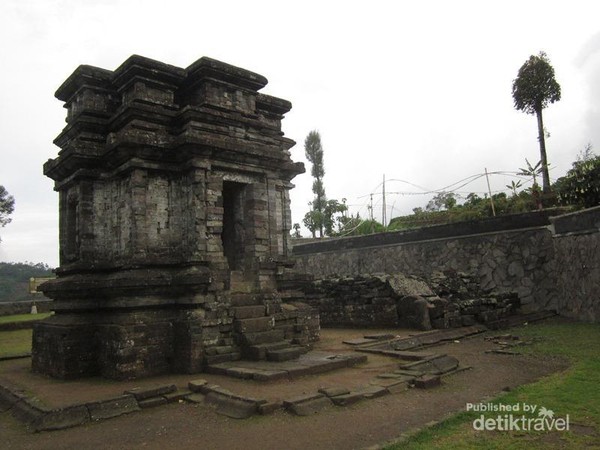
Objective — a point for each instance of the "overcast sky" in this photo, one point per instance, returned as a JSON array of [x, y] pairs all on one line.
[[416, 91]]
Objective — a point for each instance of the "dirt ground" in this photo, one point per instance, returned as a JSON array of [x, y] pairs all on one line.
[[192, 426]]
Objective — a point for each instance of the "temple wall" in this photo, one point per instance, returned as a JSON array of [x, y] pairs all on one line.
[[174, 219]]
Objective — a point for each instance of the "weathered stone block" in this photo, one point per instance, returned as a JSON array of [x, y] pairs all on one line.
[[427, 381]]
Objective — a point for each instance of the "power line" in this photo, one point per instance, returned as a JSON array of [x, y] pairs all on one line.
[[454, 188]]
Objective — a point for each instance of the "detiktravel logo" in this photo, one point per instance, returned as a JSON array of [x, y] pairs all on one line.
[[516, 417]]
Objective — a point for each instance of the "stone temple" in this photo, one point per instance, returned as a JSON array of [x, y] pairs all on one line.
[[174, 223]]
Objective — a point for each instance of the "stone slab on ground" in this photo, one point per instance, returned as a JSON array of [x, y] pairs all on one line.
[[358, 341], [334, 391], [396, 376], [60, 419], [113, 407], [445, 364], [401, 354], [435, 337], [307, 405], [404, 343], [310, 363], [26, 412], [301, 399], [269, 407], [218, 390], [236, 408], [196, 385], [152, 402], [195, 398], [347, 399], [370, 391], [391, 384], [427, 381], [380, 337], [435, 366], [9, 396], [176, 396], [144, 393]]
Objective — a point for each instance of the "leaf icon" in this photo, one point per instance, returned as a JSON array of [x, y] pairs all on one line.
[[546, 413]]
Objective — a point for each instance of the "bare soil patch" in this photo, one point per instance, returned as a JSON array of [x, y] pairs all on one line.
[[367, 423]]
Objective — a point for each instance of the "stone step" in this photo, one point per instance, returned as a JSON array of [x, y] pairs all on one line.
[[248, 312], [254, 325], [285, 354], [226, 357], [262, 337], [221, 350], [259, 352]]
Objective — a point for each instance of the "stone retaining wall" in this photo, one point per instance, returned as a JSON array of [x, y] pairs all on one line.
[[395, 300], [550, 267], [520, 261], [577, 246]]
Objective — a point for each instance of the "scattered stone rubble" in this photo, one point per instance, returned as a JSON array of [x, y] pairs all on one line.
[[445, 300], [506, 343]]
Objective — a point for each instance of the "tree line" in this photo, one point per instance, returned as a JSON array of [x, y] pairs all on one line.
[[14, 279]]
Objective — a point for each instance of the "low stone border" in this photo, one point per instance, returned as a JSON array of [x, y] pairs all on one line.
[[41, 418], [421, 374]]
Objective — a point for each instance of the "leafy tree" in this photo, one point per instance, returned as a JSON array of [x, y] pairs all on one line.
[[533, 172], [356, 226], [581, 185], [314, 153], [14, 279], [331, 216], [296, 233], [533, 89], [7, 206], [312, 220], [442, 200]]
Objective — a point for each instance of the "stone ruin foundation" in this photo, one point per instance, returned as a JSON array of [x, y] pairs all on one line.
[[174, 223], [447, 299]]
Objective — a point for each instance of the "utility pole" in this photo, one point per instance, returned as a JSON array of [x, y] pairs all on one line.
[[383, 209], [490, 192], [371, 215]]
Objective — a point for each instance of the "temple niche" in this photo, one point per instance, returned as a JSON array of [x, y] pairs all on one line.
[[174, 223]]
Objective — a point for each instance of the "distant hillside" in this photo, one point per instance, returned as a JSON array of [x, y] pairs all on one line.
[[14, 280]]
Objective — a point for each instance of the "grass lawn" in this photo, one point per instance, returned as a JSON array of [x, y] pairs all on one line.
[[23, 317], [575, 392], [15, 342], [18, 341]]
